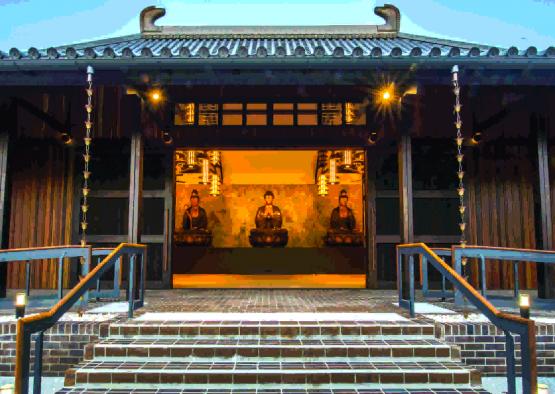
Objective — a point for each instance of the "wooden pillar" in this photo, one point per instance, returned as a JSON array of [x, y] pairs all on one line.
[[404, 159], [169, 191], [370, 198], [545, 273], [4, 211], [404, 155], [135, 188]]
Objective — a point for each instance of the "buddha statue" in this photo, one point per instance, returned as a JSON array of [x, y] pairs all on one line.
[[268, 221], [342, 225], [195, 224]]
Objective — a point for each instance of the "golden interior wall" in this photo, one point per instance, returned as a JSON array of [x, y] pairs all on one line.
[[306, 215]]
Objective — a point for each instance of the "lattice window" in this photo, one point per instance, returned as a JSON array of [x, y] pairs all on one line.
[[184, 114], [355, 114], [208, 114], [332, 114], [307, 114]]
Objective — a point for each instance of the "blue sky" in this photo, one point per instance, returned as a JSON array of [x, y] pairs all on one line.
[[44, 23]]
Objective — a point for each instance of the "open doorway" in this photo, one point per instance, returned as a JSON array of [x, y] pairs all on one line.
[[299, 248]]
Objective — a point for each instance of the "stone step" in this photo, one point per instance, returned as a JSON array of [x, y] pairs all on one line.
[[345, 374], [238, 329], [163, 348], [440, 390]]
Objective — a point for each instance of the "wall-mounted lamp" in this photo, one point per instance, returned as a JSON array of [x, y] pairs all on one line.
[[66, 138], [20, 303], [543, 388], [373, 137], [524, 305], [155, 95], [167, 138], [477, 137]]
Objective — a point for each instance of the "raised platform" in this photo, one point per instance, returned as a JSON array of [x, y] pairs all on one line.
[[275, 261], [320, 281]]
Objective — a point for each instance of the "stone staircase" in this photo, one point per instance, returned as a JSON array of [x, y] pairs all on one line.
[[271, 357]]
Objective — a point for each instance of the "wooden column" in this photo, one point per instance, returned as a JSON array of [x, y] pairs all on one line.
[[404, 159], [135, 188], [404, 155], [4, 218], [545, 272], [169, 198], [370, 198]]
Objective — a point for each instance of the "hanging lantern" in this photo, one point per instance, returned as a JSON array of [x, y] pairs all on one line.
[[215, 157], [205, 180], [215, 185], [347, 158], [191, 158], [333, 171], [322, 185]]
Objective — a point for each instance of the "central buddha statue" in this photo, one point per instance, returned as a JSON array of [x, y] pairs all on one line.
[[268, 220], [195, 224], [342, 225]]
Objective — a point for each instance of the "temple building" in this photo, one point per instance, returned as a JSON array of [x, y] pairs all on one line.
[[305, 113]]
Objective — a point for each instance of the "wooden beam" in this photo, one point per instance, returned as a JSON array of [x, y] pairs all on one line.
[[545, 273], [135, 187], [4, 214], [370, 199]]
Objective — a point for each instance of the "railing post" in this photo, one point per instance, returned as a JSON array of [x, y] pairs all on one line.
[[27, 278], [400, 275], [117, 270], [443, 288], [39, 340], [515, 273], [458, 268], [143, 276], [411, 285], [529, 361], [483, 274], [61, 276], [85, 268], [131, 285], [425, 287], [510, 357], [23, 360]]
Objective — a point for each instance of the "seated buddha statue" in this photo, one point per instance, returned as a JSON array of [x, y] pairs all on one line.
[[195, 224], [268, 220], [342, 225]]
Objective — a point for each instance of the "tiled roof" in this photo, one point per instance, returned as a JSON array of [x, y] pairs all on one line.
[[229, 42], [403, 45]]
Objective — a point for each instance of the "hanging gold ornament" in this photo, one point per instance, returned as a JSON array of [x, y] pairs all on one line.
[[87, 156], [459, 157]]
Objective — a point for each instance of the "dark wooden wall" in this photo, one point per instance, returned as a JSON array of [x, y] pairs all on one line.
[[500, 205], [41, 208]]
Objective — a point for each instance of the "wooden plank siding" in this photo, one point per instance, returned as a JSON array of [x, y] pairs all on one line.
[[500, 211], [42, 186]]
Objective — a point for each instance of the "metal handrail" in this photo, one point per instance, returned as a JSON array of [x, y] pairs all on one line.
[[48, 252], [525, 328], [497, 253], [40, 322]]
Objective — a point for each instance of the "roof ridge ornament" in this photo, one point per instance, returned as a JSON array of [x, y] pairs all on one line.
[[388, 12]]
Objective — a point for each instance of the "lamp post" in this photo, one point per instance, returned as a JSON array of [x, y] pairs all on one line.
[[20, 303], [524, 305]]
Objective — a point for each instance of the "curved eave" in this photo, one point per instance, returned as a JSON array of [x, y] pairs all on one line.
[[152, 63]]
